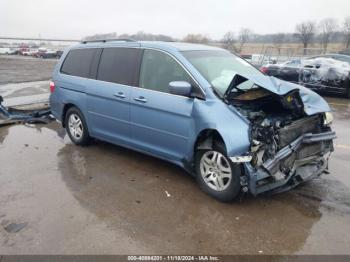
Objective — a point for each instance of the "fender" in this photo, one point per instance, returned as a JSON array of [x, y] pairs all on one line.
[[233, 128]]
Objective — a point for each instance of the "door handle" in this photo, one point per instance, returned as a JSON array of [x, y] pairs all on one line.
[[120, 95], [141, 99]]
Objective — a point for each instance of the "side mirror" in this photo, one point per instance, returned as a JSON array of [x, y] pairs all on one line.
[[180, 88]]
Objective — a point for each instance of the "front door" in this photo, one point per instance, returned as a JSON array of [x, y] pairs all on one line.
[[161, 123]]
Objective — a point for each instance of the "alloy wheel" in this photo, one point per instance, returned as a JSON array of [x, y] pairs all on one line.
[[75, 126], [215, 170]]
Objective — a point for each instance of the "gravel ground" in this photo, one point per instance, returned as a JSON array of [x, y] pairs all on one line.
[[18, 69]]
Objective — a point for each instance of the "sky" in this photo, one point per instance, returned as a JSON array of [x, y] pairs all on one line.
[[74, 19]]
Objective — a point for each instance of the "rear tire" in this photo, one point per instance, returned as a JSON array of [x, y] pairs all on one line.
[[216, 175], [76, 127]]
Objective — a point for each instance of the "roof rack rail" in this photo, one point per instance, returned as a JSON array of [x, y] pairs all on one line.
[[108, 40]]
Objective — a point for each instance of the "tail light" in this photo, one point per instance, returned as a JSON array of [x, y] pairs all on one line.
[[52, 87], [264, 69]]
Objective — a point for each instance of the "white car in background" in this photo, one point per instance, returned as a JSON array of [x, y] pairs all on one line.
[[5, 50]]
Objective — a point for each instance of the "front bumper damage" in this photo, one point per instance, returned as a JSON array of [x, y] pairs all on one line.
[[307, 156]]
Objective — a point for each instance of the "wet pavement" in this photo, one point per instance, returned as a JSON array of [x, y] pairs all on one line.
[[104, 199], [25, 93]]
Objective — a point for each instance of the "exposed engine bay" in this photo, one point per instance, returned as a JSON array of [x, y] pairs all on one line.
[[271, 117], [283, 138]]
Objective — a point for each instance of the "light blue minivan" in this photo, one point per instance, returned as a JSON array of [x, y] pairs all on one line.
[[202, 108]]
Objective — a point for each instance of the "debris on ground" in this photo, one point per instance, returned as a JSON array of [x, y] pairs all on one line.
[[11, 115], [14, 228], [5, 222], [167, 194]]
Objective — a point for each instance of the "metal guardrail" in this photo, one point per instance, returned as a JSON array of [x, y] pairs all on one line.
[[39, 39]]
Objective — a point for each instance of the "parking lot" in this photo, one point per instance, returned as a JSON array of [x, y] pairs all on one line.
[[104, 199], [17, 69]]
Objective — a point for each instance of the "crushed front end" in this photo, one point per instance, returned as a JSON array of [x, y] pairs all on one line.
[[288, 147], [289, 155]]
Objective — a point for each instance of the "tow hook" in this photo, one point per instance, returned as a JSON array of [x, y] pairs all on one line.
[[244, 184]]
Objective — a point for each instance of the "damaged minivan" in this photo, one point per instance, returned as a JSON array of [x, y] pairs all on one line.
[[202, 108]]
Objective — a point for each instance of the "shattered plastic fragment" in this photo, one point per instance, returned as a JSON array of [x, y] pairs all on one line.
[[14, 228], [10, 116]]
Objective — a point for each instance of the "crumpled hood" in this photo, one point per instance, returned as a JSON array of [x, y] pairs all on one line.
[[313, 103]]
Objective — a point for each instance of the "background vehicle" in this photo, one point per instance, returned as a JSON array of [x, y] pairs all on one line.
[[52, 54], [40, 52], [47, 53], [339, 57], [59, 53], [328, 74], [199, 107], [5, 50]]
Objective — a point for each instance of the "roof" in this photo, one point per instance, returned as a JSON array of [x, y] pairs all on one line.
[[178, 46]]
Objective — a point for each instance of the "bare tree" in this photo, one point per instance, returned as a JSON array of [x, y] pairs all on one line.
[[278, 41], [305, 32], [229, 41], [243, 37], [346, 30], [196, 38], [327, 27]]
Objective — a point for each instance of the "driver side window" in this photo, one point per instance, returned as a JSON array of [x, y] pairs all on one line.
[[158, 70]]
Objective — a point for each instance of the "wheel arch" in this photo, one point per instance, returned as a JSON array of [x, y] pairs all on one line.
[[207, 138], [235, 141], [66, 107]]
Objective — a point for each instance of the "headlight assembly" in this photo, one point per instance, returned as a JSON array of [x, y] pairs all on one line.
[[328, 118]]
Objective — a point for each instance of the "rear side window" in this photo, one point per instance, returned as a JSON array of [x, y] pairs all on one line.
[[119, 65], [79, 62]]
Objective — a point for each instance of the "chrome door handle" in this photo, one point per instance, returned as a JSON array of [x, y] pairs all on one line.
[[141, 99], [120, 95]]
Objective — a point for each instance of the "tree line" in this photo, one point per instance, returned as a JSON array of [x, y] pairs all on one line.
[[326, 31]]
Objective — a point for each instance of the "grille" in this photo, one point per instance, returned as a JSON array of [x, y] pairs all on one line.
[[291, 132]]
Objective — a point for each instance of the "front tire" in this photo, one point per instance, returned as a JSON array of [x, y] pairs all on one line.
[[217, 175], [76, 127]]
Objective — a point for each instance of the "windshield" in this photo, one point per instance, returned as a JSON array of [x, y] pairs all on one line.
[[219, 67]]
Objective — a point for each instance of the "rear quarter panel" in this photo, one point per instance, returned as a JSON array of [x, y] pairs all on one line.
[[68, 90]]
